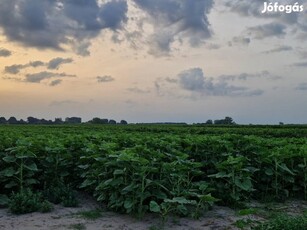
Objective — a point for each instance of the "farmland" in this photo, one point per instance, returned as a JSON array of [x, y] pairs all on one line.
[[164, 169]]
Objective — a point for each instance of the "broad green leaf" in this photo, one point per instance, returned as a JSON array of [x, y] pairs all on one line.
[[9, 159], [32, 167], [128, 204], [30, 181], [269, 172], [4, 200], [245, 185], [154, 207], [11, 184], [8, 172], [285, 168], [87, 182], [220, 175], [118, 172]]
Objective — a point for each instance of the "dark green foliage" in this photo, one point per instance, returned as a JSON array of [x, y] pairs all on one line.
[[61, 193], [46, 206], [284, 222], [91, 215], [135, 169], [25, 201]]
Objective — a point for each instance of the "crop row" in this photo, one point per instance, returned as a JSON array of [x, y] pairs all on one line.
[[136, 172]]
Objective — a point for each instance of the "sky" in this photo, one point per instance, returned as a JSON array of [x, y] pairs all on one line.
[[153, 60]]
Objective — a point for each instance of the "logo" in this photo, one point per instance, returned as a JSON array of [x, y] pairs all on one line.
[[276, 7]]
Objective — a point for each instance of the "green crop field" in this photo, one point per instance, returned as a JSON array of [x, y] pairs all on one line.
[[178, 169]]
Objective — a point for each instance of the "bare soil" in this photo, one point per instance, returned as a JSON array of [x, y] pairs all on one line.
[[218, 218]]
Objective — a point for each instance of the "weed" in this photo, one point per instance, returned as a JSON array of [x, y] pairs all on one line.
[[91, 215]]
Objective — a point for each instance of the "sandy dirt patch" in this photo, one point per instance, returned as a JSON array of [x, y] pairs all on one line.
[[69, 218]]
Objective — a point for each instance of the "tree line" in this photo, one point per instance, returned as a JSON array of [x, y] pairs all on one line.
[[58, 121]]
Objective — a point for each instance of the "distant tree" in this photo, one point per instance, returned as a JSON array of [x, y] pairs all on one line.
[[281, 123], [2, 120], [112, 122], [22, 122], [209, 122], [97, 120], [104, 121], [12, 120], [33, 120], [58, 121], [218, 122], [229, 121], [123, 122], [225, 121], [44, 121], [73, 120]]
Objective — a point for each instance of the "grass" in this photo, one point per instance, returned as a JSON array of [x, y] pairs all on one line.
[[91, 215]]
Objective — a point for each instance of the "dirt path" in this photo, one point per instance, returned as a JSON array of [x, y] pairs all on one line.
[[69, 218]]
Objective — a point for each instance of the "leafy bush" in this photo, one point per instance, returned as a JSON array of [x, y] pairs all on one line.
[[61, 193], [25, 201]]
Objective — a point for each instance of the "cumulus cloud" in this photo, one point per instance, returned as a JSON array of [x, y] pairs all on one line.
[[52, 64], [279, 49], [35, 64], [13, 69], [173, 20], [5, 52], [267, 30], [55, 82], [38, 77], [57, 62], [75, 23], [212, 46], [194, 80], [193, 84], [54, 24], [246, 76], [105, 78], [297, 21], [239, 40]]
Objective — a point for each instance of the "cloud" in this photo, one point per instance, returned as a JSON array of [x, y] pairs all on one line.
[[299, 64], [36, 64], [302, 86], [56, 24], [56, 82], [174, 20], [279, 49], [239, 40], [212, 46], [73, 24], [246, 76], [267, 30], [295, 21], [105, 78], [138, 90], [52, 64], [13, 69], [193, 80], [38, 77], [57, 62], [5, 52]]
